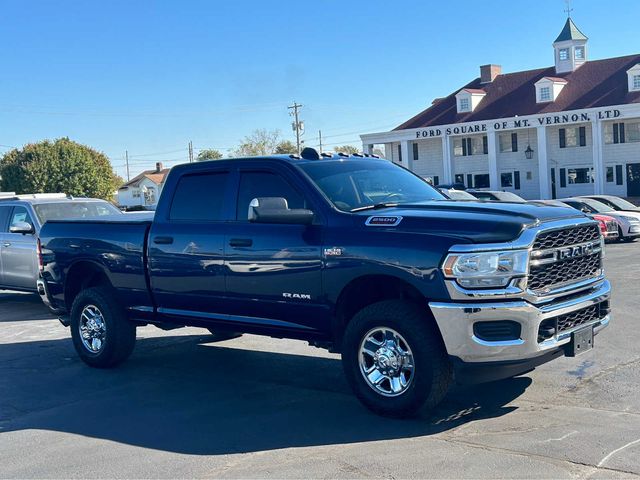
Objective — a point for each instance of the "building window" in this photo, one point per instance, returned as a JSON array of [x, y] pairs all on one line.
[[579, 175], [459, 178], [636, 82], [563, 54], [508, 142], [619, 178], [481, 180], [463, 147], [465, 106], [572, 137], [432, 179], [579, 53], [610, 178], [506, 180], [399, 153], [633, 132], [415, 151], [545, 94]]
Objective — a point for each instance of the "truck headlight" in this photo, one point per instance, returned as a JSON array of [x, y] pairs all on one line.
[[486, 269]]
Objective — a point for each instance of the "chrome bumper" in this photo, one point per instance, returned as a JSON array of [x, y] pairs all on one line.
[[456, 320]]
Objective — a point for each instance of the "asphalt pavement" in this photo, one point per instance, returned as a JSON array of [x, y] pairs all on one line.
[[259, 407]]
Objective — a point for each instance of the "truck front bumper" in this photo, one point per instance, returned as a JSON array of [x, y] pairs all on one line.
[[456, 323]]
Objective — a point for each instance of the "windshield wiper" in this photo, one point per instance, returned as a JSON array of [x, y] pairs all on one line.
[[376, 206]]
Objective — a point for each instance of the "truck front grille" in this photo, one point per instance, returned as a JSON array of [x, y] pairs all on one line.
[[562, 257]]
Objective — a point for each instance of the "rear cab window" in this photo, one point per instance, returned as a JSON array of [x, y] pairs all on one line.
[[200, 197], [20, 214]]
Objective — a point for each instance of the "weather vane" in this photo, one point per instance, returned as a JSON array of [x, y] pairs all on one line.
[[568, 10]]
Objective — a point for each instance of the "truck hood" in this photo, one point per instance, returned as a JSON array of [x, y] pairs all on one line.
[[474, 222]]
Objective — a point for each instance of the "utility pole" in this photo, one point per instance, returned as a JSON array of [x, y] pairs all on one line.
[[297, 125], [190, 151], [126, 157], [320, 137]]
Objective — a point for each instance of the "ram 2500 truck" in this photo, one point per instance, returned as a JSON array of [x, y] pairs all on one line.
[[350, 253]]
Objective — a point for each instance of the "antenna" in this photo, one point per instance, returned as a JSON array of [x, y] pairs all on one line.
[[568, 10]]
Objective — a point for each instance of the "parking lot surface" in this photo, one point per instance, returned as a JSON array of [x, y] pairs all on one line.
[[259, 407]]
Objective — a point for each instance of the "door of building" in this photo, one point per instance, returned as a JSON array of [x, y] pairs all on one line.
[[633, 179]]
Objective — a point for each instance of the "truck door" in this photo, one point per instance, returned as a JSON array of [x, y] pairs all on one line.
[[19, 262], [273, 270], [186, 245], [4, 225]]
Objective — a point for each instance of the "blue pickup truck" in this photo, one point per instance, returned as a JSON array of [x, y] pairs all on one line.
[[350, 253]]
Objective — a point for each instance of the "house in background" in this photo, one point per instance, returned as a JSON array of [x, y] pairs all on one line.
[[144, 189]]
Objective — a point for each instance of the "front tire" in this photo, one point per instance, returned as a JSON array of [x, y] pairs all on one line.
[[102, 335], [394, 359]]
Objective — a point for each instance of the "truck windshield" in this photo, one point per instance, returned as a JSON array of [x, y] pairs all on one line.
[[67, 210], [353, 184]]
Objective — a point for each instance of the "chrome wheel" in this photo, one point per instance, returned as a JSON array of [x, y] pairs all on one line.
[[93, 329], [386, 362]]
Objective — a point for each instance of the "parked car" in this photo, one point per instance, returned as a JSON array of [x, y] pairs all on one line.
[[21, 219], [608, 224], [628, 222], [457, 194], [497, 196], [617, 203], [452, 186], [355, 255]]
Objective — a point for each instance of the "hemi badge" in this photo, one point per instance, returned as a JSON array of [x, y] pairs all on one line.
[[380, 221], [332, 252]]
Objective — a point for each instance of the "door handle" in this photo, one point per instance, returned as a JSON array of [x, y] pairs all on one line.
[[163, 240], [6, 244], [240, 242]]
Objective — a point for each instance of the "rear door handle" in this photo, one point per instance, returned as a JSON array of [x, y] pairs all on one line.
[[163, 240], [240, 242]]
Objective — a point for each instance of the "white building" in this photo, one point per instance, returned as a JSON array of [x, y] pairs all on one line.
[[144, 189], [554, 132]]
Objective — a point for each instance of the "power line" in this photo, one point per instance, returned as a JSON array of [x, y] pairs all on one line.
[[297, 125]]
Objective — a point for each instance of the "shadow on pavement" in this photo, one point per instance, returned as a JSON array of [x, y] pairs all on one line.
[[182, 395], [16, 307]]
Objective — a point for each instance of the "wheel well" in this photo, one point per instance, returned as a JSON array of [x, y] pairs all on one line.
[[367, 290], [80, 276]]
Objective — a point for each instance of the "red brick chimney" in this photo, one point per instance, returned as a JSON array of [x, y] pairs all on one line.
[[158, 167], [488, 73]]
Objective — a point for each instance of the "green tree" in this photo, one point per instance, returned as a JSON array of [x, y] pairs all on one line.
[[209, 154], [60, 166], [348, 149], [260, 142], [285, 147]]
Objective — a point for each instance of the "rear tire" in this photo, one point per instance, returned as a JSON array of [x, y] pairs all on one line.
[[102, 335], [386, 339]]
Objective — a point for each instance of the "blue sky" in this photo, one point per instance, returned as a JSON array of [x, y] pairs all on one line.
[[147, 77]]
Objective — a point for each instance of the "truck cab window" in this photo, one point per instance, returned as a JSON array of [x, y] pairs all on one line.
[[20, 214], [264, 184], [199, 197]]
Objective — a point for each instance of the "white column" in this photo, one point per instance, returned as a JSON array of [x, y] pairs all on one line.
[[367, 148], [543, 163], [598, 157], [494, 181], [407, 154], [447, 166]]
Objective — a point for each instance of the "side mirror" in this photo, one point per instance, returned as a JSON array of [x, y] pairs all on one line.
[[21, 227], [276, 210]]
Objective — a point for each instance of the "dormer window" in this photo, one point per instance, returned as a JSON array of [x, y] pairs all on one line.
[[563, 54], [548, 89], [468, 99], [634, 78], [545, 94]]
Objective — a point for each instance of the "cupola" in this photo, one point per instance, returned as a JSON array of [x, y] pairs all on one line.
[[570, 48]]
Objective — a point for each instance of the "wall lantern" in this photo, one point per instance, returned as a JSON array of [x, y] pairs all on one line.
[[528, 152]]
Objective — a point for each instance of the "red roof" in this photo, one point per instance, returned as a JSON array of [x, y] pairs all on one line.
[[598, 83]]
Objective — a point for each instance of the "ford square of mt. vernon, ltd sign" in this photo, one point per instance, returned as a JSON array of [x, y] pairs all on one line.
[[519, 123]]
